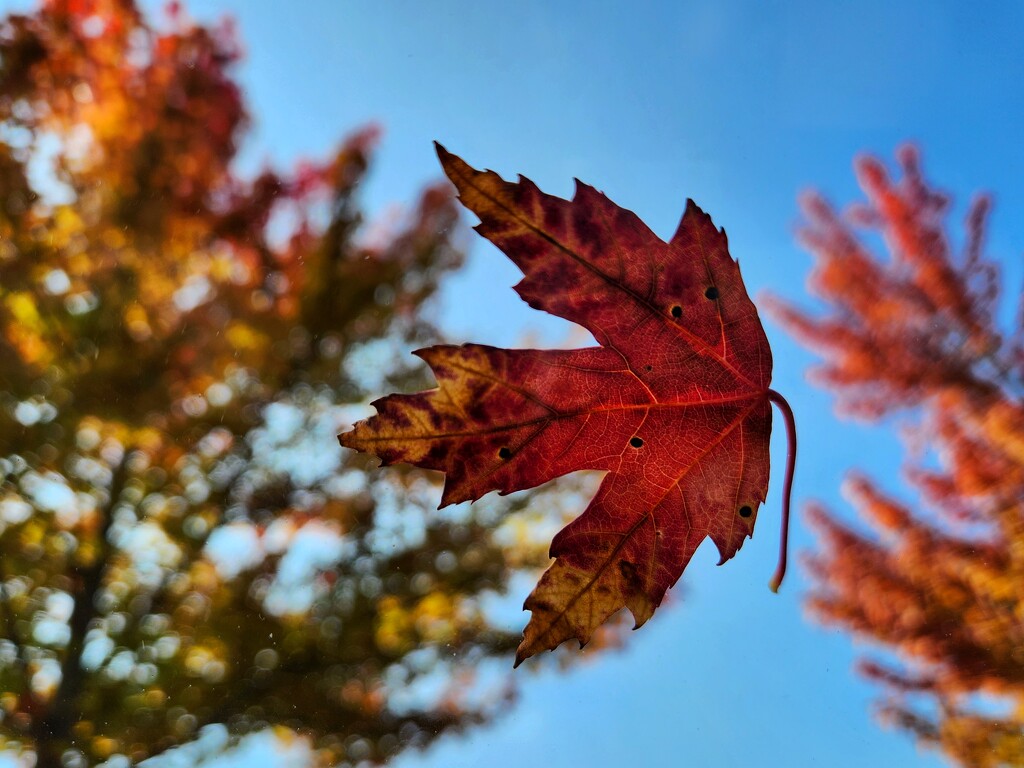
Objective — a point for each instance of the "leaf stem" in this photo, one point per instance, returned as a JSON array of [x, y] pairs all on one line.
[[787, 485]]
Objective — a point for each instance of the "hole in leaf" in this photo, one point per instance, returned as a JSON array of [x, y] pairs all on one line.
[[711, 293], [677, 311], [636, 442], [746, 511], [648, 368], [504, 453]]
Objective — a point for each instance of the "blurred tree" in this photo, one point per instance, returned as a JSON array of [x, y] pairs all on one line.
[[182, 540], [941, 588]]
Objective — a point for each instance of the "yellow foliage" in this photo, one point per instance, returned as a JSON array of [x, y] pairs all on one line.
[[243, 337]]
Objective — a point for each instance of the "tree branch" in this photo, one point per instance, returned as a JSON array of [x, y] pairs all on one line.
[[51, 730]]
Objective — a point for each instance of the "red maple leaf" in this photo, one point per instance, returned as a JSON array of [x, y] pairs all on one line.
[[674, 404]]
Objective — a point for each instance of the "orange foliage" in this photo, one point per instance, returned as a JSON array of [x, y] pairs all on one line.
[[940, 588]]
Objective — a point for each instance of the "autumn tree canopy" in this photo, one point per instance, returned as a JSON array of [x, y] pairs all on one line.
[[182, 541], [914, 329]]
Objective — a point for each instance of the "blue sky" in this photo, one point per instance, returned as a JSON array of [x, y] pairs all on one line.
[[740, 105]]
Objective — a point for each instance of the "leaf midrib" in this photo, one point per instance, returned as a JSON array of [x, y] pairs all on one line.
[[754, 398], [698, 344]]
